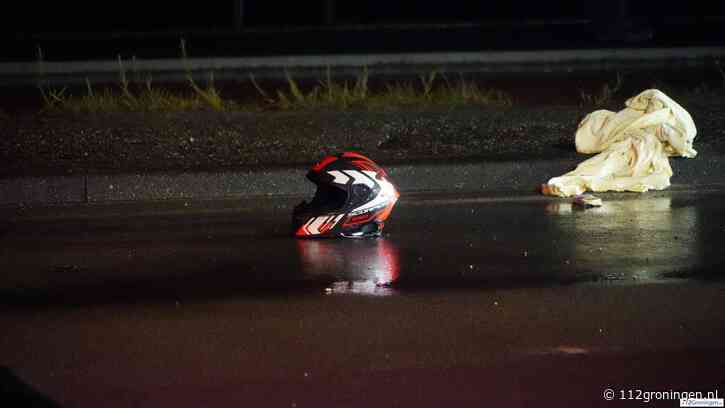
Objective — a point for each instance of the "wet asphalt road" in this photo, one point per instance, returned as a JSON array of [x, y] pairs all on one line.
[[467, 300]]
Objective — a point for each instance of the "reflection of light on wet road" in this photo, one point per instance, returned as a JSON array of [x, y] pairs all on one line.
[[366, 266], [562, 350], [649, 233], [368, 287]]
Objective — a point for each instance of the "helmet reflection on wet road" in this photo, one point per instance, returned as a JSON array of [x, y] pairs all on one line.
[[355, 266]]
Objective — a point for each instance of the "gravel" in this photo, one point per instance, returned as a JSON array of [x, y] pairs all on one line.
[[57, 143]]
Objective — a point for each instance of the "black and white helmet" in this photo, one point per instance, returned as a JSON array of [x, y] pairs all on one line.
[[354, 197]]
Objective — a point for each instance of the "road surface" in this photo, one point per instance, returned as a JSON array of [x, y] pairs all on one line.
[[468, 300]]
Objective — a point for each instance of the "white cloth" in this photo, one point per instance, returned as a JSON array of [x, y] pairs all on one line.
[[633, 145]]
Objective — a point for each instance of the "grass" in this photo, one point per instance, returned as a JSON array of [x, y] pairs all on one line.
[[427, 91], [208, 95], [136, 95], [433, 89], [604, 95]]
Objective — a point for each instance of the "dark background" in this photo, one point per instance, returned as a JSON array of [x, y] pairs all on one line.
[[152, 29], [65, 16]]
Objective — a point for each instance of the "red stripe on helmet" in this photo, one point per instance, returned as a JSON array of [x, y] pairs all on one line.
[[324, 162], [365, 165], [302, 231], [327, 225], [355, 155], [358, 219], [385, 213]]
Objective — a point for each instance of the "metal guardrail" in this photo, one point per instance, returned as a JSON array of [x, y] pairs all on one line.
[[19, 73]]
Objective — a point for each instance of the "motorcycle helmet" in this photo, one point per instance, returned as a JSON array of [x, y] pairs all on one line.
[[354, 197]]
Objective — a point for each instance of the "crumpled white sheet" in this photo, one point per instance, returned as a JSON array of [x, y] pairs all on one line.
[[633, 145]]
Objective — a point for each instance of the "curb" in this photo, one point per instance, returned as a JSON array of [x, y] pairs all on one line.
[[509, 176]]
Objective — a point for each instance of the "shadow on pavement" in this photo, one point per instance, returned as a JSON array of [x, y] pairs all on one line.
[[16, 393]]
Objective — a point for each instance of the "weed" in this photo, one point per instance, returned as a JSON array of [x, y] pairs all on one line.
[[448, 93], [267, 100], [325, 94], [132, 94], [41, 67], [427, 84], [342, 95], [128, 99], [605, 94], [209, 94], [466, 92], [53, 98], [296, 94]]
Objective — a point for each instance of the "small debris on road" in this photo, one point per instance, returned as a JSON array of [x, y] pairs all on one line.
[[587, 200]]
